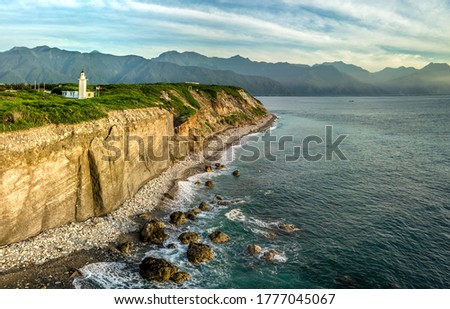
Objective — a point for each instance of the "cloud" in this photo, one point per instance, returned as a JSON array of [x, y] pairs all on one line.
[[373, 34]]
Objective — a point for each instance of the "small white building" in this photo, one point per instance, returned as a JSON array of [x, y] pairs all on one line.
[[70, 94], [82, 92]]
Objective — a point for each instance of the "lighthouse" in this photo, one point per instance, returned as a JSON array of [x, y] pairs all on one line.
[[82, 84]]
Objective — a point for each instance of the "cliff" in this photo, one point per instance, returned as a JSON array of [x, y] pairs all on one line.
[[57, 174]]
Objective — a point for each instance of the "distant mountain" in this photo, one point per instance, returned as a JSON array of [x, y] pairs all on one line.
[[297, 79], [53, 65], [351, 70], [432, 79], [378, 78]]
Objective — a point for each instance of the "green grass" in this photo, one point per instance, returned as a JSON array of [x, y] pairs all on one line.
[[28, 108], [258, 111], [236, 118]]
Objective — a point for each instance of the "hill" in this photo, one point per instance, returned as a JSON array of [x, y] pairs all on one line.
[[53, 65]]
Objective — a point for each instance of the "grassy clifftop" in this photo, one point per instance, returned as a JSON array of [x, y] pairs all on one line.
[[27, 109]]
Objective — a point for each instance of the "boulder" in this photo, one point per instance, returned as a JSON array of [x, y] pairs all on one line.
[[147, 217], [169, 196], [196, 210], [76, 273], [204, 206], [125, 247], [208, 169], [180, 277], [254, 249], [223, 203], [218, 237], [219, 166], [271, 235], [236, 173], [158, 237], [157, 269], [199, 253], [198, 183], [153, 232], [177, 218], [287, 227], [219, 198], [347, 282], [209, 184], [270, 255], [191, 215], [189, 237], [171, 246]]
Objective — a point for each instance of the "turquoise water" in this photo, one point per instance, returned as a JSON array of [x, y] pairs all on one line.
[[380, 219]]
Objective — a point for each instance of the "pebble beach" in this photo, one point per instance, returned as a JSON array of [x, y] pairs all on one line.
[[101, 232]]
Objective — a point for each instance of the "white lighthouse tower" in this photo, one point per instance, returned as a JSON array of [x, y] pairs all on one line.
[[82, 85]]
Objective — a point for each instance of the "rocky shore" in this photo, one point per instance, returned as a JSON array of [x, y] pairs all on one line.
[[51, 259]]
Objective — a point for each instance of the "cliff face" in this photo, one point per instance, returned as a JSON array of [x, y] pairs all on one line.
[[55, 175]]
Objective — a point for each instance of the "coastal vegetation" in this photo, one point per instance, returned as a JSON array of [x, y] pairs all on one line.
[[25, 108]]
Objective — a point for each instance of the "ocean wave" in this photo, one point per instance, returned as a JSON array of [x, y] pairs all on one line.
[[108, 275], [236, 215]]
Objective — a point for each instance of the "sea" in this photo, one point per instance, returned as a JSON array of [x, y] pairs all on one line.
[[365, 181]]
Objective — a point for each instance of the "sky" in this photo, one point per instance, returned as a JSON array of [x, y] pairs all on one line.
[[370, 34]]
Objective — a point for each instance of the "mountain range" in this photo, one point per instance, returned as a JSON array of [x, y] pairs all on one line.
[[53, 65]]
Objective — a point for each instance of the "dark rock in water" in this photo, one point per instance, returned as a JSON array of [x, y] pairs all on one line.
[[287, 227], [224, 203], [198, 183], [158, 237], [171, 246], [146, 216], [204, 206], [271, 235], [270, 255], [153, 232], [254, 249], [219, 166], [347, 282], [189, 237], [219, 198], [218, 237], [196, 210], [76, 273], [208, 169], [125, 248], [209, 184], [199, 253], [180, 277], [177, 218], [191, 215], [157, 269], [169, 196], [236, 173]]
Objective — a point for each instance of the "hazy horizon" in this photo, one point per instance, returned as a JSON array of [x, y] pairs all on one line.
[[213, 56]]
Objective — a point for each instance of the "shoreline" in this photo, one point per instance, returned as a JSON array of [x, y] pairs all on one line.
[[52, 258]]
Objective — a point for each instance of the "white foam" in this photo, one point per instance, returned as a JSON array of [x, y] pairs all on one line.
[[268, 192], [279, 257], [186, 193], [108, 275], [274, 126], [236, 215], [261, 223]]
